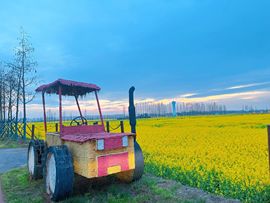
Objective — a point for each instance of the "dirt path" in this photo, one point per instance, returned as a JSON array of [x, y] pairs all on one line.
[[187, 193], [12, 158]]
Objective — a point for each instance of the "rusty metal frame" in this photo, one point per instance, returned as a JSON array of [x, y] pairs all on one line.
[[99, 109], [79, 108], [60, 109], [44, 112]]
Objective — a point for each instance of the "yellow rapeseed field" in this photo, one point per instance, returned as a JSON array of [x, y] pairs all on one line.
[[226, 155]]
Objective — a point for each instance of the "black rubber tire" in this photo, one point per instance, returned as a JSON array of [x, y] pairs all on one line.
[[64, 175], [139, 162], [39, 149]]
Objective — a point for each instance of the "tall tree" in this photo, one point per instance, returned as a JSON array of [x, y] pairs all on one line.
[[11, 85], [1, 91], [26, 75]]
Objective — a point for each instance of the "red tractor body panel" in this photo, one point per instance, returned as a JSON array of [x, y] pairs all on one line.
[[118, 162]]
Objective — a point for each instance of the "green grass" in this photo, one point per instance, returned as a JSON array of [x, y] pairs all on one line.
[[18, 188], [13, 144]]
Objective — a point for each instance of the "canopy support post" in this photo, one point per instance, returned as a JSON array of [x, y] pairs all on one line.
[[99, 109], [44, 112], [60, 109], [78, 105]]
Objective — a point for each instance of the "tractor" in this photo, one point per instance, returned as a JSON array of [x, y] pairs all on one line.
[[82, 147]]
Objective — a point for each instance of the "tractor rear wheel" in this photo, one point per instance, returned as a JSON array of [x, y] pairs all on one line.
[[58, 173], [135, 174], [36, 150]]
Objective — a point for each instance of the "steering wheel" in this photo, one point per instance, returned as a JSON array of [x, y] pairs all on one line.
[[78, 121]]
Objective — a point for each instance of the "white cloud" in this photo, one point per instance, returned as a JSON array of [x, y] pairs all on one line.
[[229, 96], [222, 98], [246, 85], [188, 95], [233, 100]]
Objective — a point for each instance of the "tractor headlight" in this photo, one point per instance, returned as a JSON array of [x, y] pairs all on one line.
[[100, 144], [125, 141]]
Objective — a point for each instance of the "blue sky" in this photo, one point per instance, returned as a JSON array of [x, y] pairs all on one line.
[[168, 49]]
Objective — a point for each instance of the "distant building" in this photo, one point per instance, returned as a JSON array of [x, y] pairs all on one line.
[[173, 108]]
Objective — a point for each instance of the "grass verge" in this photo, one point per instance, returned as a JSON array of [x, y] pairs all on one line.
[[18, 188]]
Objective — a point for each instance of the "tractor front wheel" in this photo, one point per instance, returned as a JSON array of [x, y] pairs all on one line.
[[135, 174], [58, 173], [36, 150]]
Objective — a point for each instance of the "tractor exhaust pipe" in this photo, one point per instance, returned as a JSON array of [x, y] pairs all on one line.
[[131, 110]]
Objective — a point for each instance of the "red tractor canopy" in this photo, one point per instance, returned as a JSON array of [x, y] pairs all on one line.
[[76, 89], [68, 88]]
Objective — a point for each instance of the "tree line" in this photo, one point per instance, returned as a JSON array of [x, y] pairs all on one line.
[[17, 77], [161, 109]]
